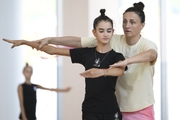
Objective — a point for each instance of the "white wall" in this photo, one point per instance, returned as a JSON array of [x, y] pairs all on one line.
[[11, 61], [75, 22]]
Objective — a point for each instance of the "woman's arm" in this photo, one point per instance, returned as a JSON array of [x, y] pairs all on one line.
[[95, 72], [54, 89], [21, 102], [147, 56], [46, 48], [70, 41]]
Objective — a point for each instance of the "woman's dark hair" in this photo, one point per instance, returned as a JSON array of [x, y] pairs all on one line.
[[138, 9], [102, 17]]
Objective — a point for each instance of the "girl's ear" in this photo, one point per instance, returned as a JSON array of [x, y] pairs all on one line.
[[94, 32]]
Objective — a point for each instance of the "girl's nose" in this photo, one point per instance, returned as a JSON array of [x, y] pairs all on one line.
[[105, 33]]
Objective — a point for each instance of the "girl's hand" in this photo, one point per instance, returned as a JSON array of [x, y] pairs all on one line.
[[67, 89], [14, 42], [92, 73]]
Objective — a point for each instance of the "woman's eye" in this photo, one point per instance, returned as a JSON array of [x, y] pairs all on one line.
[[132, 22], [124, 21]]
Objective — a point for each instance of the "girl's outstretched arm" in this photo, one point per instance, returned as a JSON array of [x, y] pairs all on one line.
[[54, 89], [46, 48]]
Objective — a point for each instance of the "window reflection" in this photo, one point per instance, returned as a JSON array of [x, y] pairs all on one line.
[[173, 42], [39, 21]]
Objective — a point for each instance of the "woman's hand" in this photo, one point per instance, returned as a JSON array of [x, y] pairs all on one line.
[[14, 42]]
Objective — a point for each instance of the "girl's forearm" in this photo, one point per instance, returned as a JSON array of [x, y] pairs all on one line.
[[23, 112]]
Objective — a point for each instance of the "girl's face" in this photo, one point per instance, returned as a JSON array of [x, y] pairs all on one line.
[[28, 72], [103, 32], [132, 25]]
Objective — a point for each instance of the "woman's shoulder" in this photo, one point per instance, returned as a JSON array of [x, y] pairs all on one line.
[[146, 41]]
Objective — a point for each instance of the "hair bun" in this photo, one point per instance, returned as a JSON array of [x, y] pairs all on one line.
[[139, 5], [27, 64], [102, 11]]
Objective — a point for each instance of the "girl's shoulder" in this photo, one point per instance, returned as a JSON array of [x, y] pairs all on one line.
[[114, 53]]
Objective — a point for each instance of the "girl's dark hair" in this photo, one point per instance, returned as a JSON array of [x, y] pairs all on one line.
[[102, 17], [138, 9], [27, 65]]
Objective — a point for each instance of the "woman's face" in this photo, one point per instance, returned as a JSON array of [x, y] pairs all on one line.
[[103, 32], [132, 25]]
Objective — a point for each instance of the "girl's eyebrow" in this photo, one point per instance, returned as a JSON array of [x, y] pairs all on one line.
[[104, 29], [109, 29]]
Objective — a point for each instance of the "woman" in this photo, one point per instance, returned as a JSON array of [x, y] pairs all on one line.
[[100, 101]]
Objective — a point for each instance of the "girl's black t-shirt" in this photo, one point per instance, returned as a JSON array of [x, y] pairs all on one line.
[[99, 92], [29, 100]]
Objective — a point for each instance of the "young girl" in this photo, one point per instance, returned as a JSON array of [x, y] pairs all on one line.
[[100, 101], [27, 95]]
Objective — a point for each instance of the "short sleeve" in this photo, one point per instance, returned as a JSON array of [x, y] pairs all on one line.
[[119, 57], [88, 42], [80, 55], [152, 45], [76, 55]]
